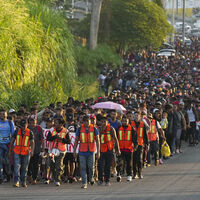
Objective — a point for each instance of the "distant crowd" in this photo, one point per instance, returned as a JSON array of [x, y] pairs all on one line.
[[70, 142]]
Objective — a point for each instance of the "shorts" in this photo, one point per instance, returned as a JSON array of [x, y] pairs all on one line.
[[69, 157]]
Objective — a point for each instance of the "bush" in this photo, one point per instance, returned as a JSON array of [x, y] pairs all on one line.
[[90, 61]]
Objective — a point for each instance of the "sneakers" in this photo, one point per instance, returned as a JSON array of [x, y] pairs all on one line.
[[129, 178], [141, 177], [119, 178], [135, 176], [46, 181], [84, 186], [34, 182], [156, 162], [29, 178], [148, 165], [24, 185], [16, 184], [57, 183], [177, 151], [100, 182], [107, 184], [92, 182], [160, 161]]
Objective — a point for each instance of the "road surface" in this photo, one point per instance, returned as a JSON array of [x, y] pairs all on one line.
[[178, 178]]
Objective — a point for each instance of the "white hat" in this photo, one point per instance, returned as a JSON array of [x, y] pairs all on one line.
[[11, 110]]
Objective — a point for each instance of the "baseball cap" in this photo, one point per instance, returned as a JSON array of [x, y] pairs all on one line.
[[92, 116], [11, 110]]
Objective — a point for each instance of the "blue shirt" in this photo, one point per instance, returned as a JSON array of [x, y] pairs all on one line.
[[115, 124], [6, 131], [88, 153]]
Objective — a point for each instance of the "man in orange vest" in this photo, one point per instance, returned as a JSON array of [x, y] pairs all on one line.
[[140, 128], [107, 140], [153, 141], [87, 134], [128, 142], [58, 137], [23, 149]]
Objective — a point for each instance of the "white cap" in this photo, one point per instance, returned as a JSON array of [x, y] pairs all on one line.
[[11, 110]]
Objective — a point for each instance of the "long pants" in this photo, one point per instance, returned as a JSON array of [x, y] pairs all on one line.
[[104, 166], [20, 167], [171, 138], [153, 150], [4, 160], [191, 132], [87, 162], [56, 167], [34, 166], [125, 157], [178, 138], [138, 161]]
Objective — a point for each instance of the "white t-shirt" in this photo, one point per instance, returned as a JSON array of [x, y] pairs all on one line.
[[191, 115]]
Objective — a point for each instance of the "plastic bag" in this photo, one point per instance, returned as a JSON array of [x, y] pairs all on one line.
[[165, 150]]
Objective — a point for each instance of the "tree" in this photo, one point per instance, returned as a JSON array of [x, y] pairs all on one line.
[[159, 3], [94, 25], [135, 23]]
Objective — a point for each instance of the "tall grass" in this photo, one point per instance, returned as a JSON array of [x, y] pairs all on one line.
[[36, 53], [38, 57]]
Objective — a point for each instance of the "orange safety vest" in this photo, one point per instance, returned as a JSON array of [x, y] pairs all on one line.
[[87, 140], [152, 135], [106, 140], [125, 138], [140, 132], [59, 145], [22, 142]]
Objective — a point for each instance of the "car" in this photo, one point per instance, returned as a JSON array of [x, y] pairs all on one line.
[[195, 32], [167, 50], [166, 54], [166, 45]]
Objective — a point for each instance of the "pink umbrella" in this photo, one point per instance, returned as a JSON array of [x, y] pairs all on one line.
[[109, 105]]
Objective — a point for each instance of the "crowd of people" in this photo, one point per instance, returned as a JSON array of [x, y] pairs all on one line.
[[72, 142]]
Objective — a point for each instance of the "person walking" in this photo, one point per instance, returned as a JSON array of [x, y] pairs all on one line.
[[128, 142], [140, 128], [107, 140], [23, 150], [58, 137], [39, 147], [6, 132], [87, 134]]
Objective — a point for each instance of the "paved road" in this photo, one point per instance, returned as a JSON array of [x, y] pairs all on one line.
[[178, 178]]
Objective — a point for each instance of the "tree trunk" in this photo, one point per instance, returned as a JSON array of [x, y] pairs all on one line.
[[94, 25]]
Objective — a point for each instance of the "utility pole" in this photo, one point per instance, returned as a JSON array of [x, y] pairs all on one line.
[[172, 39], [176, 7], [183, 20], [73, 9]]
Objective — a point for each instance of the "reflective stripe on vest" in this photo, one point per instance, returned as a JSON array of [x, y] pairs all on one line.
[[141, 131], [17, 140], [91, 137], [125, 137], [106, 140], [26, 141], [22, 142], [109, 137], [120, 135], [83, 137], [102, 139], [87, 139], [59, 145], [129, 135]]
